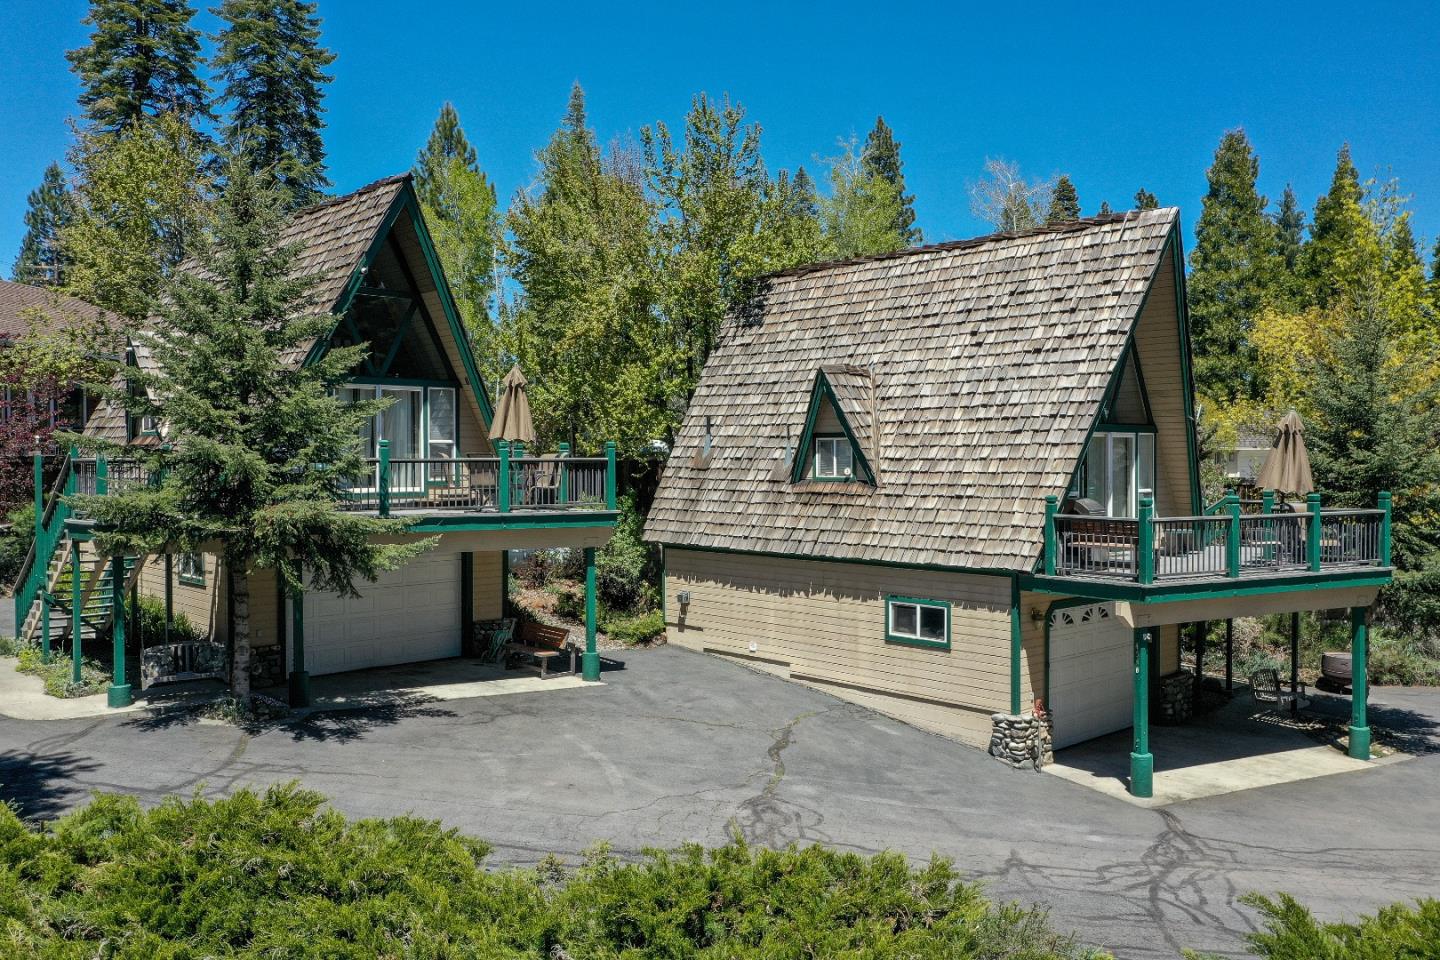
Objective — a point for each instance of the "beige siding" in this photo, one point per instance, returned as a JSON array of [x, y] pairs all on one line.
[[489, 592], [264, 619], [824, 623], [1157, 339], [204, 606]]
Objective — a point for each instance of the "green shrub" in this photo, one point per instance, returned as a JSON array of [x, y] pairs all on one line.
[[569, 602], [1397, 932], [279, 875], [11, 646], [15, 542], [625, 570], [152, 623], [94, 677], [633, 630], [1401, 661]]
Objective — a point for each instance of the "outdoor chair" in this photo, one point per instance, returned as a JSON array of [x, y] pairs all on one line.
[[492, 637], [545, 484], [1266, 688]]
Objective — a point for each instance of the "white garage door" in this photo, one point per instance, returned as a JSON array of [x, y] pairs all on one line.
[[407, 615], [1092, 670]]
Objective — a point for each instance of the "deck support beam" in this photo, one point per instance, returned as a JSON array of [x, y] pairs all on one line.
[[1142, 764], [118, 694], [76, 614], [1295, 664], [1359, 683], [299, 677], [590, 660]]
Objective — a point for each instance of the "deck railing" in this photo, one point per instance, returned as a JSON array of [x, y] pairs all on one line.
[[1229, 543], [504, 483]]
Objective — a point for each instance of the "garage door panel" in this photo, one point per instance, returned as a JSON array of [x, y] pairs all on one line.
[[1091, 673], [406, 615]]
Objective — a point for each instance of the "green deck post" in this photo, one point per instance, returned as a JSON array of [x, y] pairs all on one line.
[[45, 623], [1145, 541], [564, 474], [1359, 683], [1017, 645], [502, 491], [75, 611], [1232, 539], [467, 599], [384, 490], [610, 491], [102, 476], [118, 695], [1385, 528], [1142, 764], [590, 661], [1267, 507], [39, 465], [299, 677], [1312, 502], [1052, 507], [169, 595]]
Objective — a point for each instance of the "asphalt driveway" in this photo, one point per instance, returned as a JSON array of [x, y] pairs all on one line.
[[680, 746]]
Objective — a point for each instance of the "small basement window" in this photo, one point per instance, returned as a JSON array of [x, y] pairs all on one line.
[[192, 569], [917, 623], [834, 458]]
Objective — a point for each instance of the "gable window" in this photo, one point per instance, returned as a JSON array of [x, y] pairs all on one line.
[[1118, 464], [191, 569], [917, 623], [834, 458]]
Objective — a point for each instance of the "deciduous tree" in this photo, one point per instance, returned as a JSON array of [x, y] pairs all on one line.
[[1007, 201], [859, 216]]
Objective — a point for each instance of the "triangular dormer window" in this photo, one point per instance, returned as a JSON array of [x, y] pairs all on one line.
[[837, 442]]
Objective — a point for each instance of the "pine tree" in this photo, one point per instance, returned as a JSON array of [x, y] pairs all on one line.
[[142, 61], [460, 209], [1104, 210], [1232, 273], [447, 143], [263, 449], [806, 203], [1435, 278], [1064, 201], [1145, 200], [1289, 229], [269, 57], [881, 158], [858, 217], [1344, 248], [43, 260]]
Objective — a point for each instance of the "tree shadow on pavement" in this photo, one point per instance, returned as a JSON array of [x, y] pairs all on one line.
[[344, 725], [42, 787]]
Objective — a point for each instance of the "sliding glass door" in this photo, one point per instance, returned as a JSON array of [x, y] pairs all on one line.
[[420, 423], [1117, 466]]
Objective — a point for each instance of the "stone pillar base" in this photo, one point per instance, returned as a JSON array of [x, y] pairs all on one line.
[[1019, 739], [1175, 700]]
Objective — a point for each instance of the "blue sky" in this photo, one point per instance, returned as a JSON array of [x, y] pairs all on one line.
[[1118, 98]]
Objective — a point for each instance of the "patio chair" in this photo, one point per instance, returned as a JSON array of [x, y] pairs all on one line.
[[492, 637], [1266, 688], [545, 484]]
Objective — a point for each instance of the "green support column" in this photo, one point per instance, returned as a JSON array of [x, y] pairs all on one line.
[[1384, 504], [44, 624], [610, 491], [1232, 538], [1294, 664], [1052, 507], [118, 695], [384, 485], [502, 484], [1359, 683], [590, 661], [564, 495], [1312, 543], [75, 612], [1145, 541], [299, 677], [1142, 764], [102, 476]]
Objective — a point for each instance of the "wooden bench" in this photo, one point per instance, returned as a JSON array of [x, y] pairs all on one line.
[[540, 644]]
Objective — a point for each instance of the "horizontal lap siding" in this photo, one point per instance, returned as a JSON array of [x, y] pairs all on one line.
[[1157, 340], [203, 606], [489, 588], [826, 621]]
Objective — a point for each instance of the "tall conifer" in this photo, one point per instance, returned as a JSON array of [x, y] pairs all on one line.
[[1344, 245], [1064, 201], [142, 60], [43, 260], [1145, 200], [447, 143], [269, 57], [881, 158]]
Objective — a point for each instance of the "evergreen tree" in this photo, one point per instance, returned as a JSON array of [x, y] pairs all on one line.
[[788, 231], [586, 327], [1344, 248], [881, 158], [460, 208], [1145, 200], [138, 203], [447, 144], [1435, 277], [806, 203], [1064, 202], [262, 449], [141, 62], [50, 209], [1104, 210], [269, 57], [858, 217], [1289, 229], [1232, 273]]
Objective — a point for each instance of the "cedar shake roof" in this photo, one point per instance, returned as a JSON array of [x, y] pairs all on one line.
[[335, 233], [21, 305], [989, 360], [854, 389]]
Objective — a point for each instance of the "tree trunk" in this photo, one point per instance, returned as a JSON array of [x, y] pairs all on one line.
[[240, 636]]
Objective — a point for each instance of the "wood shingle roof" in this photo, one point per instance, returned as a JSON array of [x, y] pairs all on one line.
[[989, 359]]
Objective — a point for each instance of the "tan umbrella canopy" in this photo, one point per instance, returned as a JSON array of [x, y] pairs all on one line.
[[512, 412], [1287, 468]]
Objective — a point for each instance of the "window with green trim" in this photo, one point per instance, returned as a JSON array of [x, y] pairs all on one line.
[[834, 458], [917, 623], [191, 569]]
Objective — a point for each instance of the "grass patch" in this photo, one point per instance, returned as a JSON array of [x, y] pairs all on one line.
[[94, 676], [280, 875]]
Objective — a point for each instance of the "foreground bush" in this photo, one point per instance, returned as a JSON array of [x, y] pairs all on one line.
[[1398, 932], [278, 875]]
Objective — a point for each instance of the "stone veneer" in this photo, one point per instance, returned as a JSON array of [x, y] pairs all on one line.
[[1175, 698], [1017, 739]]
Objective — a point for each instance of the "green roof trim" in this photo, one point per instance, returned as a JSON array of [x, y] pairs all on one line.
[[820, 393]]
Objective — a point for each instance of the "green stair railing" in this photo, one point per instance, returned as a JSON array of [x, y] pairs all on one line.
[[50, 515]]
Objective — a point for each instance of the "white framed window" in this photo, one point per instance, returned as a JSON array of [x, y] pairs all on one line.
[[917, 623], [1118, 464], [441, 428], [834, 460], [191, 569]]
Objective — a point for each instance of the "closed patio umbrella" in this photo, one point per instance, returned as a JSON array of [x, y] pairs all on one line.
[[512, 411], [1287, 468]]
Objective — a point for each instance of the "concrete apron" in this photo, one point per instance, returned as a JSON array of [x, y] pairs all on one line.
[[1239, 747], [23, 697]]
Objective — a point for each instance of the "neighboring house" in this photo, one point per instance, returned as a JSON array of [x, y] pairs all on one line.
[[432, 456], [1242, 460], [24, 307], [861, 495]]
